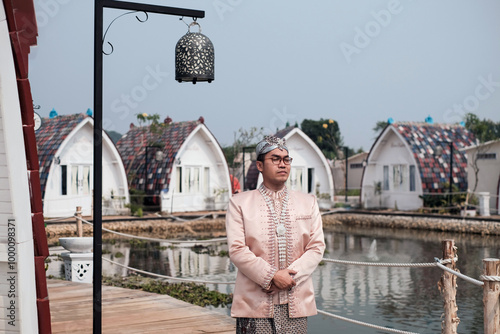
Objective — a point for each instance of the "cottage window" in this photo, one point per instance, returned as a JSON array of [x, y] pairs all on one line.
[[187, 180], [64, 180], [298, 179], [487, 156], [356, 166], [399, 177], [412, 177], [310, 179], [206, 181], [86, 180], [178, 180], [196, 179], [192, 179], [295, 180], [80, 180], [386, 178], [74, 180]]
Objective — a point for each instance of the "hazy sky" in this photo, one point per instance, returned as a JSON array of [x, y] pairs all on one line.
[[355, 61]]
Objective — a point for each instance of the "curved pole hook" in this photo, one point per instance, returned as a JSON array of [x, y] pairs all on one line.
[[116, 18]]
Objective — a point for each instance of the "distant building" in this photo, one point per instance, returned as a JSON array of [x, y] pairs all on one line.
[[310, 171], [190, 175], [403, 164], [485, 159], [65, 151], [356, 165]]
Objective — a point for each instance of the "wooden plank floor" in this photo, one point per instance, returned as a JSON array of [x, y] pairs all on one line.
[[129, 311]]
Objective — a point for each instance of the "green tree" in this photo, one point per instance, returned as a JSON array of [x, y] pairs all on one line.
[[326, 134], [484, 130], [242, 138], [152, 128], [379, 126], [115, 136]]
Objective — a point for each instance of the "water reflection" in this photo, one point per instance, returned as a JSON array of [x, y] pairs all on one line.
[[186, 260], [403, 298]]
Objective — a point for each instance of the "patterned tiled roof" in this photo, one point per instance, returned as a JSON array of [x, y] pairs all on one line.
[[49, 137], [132, 147], [424, 138], [283, 132]]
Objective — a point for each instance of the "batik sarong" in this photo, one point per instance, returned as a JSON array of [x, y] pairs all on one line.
[[280, 324]]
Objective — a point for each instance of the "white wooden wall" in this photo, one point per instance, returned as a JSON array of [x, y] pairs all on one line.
[[17, 273]]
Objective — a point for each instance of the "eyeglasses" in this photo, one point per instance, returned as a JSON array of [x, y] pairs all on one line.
[[277, 160]]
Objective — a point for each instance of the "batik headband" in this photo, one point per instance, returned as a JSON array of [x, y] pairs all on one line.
[[270, 143]]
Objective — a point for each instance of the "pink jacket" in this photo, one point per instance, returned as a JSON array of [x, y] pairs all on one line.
[[253, 247]]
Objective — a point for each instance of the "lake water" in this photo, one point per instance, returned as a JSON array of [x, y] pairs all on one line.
[[402, 298]]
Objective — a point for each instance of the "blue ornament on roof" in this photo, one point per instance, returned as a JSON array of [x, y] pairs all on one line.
[[462, 123], [429, 120], [390, 120], [89, 112], [53, 113]]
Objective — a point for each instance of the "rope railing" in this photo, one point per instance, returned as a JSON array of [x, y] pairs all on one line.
[[163, 276], [382, 264], [447, 193], [439, 263], [357, 322], [188, 220], [489, 278], [58, 219]]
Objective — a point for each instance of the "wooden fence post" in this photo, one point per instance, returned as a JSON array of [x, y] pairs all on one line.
[[79, 227], [448, 287], [491, 296]]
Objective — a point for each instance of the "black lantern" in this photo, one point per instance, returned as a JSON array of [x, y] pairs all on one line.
[[194, 57]]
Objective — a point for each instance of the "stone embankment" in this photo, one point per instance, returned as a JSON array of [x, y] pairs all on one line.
[[215, 227], [478, 225], [161, 228]]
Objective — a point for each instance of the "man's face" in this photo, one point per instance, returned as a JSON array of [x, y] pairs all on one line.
[[274, 174]]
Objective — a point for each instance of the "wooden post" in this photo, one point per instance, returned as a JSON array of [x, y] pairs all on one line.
[[491, 297], [79, 227], [448, 287]]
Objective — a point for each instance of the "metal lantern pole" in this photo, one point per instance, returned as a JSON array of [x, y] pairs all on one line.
[[244, 176], [346, 169], [450, 188], [245, 148], [97, 230], [99, 6], [450, 182], [146, 172]]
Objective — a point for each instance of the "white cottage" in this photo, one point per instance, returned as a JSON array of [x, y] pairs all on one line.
[[65, 152], [310, 171], [403, 165], [191, 174], [485, 159]]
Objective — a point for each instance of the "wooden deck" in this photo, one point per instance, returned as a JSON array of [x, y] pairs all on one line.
[[129, 311]]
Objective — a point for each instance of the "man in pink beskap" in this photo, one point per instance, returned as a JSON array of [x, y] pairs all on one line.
[[276, 241]]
